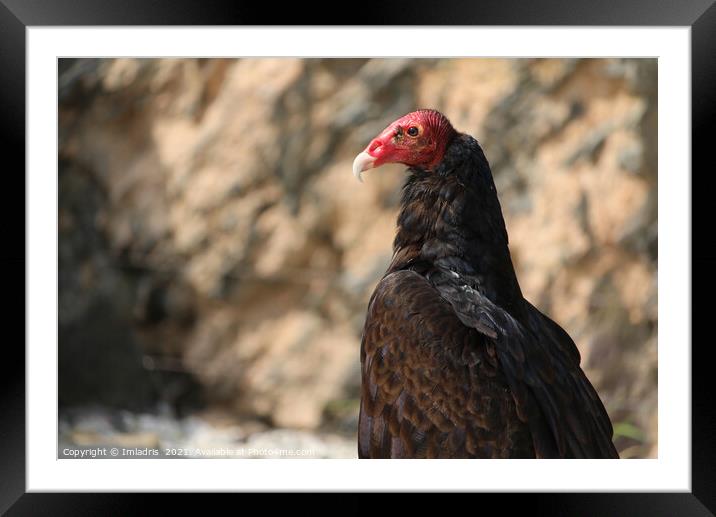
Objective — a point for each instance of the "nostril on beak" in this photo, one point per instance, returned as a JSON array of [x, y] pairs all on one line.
[[374, 145]]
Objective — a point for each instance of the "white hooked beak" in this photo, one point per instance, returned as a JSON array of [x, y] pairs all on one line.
[[363, 162]]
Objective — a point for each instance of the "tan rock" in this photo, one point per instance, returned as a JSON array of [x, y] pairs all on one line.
[[233, 177]]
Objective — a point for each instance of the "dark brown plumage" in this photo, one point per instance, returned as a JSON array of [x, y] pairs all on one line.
[[455, 363]]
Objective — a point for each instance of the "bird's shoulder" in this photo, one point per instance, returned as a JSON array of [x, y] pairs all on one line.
[[431, 386], [408, 316]]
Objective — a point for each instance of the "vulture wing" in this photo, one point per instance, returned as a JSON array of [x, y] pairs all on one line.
[[541, 364], [433, 385]]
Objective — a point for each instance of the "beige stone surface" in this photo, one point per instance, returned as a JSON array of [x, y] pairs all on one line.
[[217, 196]]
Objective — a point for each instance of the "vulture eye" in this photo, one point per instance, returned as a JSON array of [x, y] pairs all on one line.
[[413, 131]]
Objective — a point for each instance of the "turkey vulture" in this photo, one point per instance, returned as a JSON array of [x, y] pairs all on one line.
[[455, 363]]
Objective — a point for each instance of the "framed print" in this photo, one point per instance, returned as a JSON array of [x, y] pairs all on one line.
[[205, 281]]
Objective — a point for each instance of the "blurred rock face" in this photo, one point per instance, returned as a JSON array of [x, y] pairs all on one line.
[[207, 208]]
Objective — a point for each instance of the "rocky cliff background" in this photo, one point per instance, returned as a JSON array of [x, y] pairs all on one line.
[[216, 256]]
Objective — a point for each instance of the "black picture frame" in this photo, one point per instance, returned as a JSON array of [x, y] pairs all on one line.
[[17, 15]]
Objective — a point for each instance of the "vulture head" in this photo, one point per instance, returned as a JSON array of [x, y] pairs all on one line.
[[418, 139]]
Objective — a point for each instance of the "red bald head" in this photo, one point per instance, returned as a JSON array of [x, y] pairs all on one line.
[[418, 139]]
